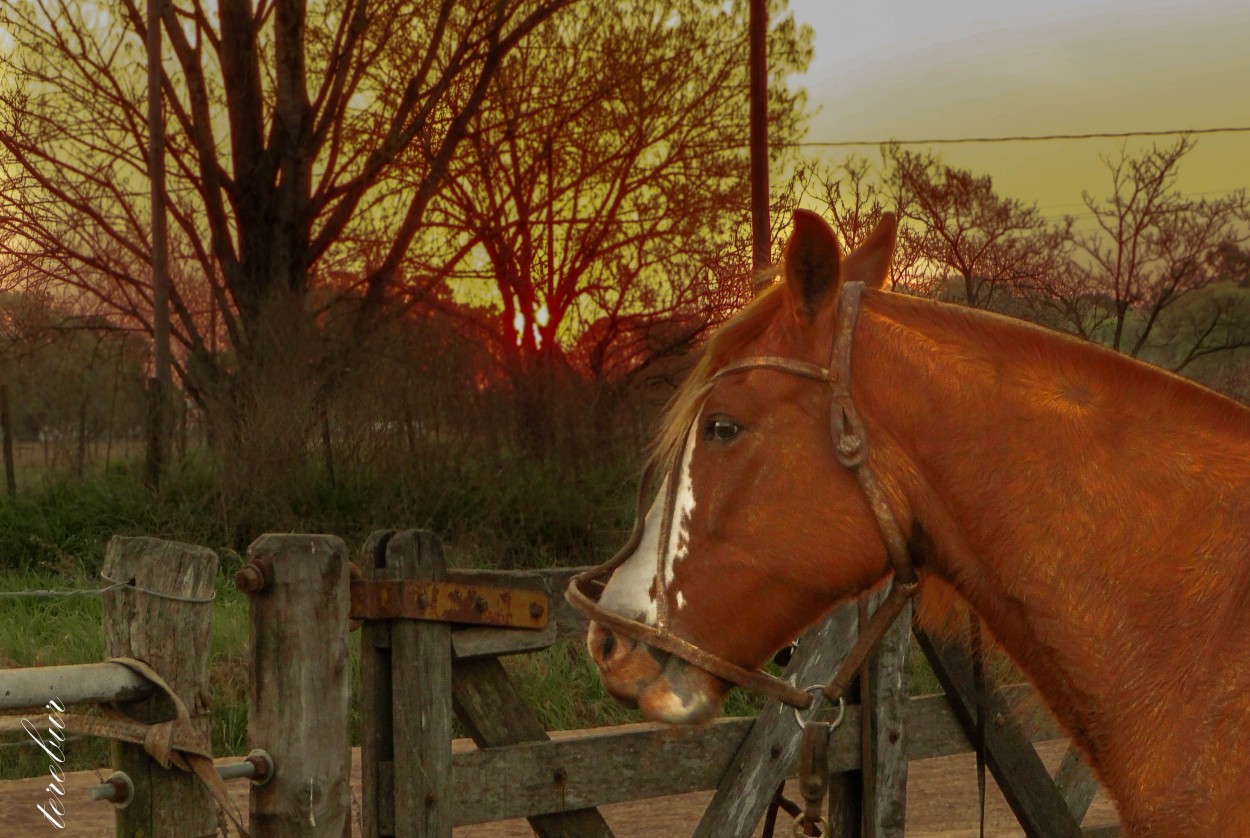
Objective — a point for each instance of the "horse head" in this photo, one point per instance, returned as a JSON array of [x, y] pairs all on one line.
[[755, 531]]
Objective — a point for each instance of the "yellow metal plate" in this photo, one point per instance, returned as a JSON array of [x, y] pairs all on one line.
[[448, 602]]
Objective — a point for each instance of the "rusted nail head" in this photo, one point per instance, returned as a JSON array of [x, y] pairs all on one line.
[[536, 610], [480, 605], [122, 790], [251, 578], [263, 763]]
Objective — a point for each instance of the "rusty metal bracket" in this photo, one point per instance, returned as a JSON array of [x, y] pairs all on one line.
[[448, 602]]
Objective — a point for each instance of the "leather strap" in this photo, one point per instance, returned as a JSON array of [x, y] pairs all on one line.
[[755, 680], [976, 642]]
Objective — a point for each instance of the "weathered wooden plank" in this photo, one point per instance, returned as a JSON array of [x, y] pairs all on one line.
[[585, 771], [300, 695], [768, 754], [517, 780], [845, 807], [79, 683], [495, 714], [421, 681], [890, 684], [934, 731], [488, 641], [1076, 783], [141, 623], [377, 745], [1024, 780]]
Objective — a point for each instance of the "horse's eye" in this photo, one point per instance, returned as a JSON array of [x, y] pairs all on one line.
[[720, 429]]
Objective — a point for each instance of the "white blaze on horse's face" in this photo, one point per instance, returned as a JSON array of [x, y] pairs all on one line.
[[633, 588]]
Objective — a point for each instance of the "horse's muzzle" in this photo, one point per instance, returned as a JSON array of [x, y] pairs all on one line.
[[663, 686]]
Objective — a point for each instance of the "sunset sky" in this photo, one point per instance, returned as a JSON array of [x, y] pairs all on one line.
[[915, 69]]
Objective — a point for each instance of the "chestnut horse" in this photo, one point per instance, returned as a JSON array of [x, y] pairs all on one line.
[[1093, 510]]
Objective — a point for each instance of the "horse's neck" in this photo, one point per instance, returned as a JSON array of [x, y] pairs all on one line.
[[1106, 549]]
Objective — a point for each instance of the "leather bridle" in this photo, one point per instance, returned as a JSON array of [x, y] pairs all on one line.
[[850, 447]]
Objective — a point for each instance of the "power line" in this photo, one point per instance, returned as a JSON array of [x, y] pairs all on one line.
[[1024, 139]]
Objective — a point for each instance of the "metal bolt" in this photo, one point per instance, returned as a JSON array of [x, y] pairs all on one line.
[[263, 764], [117, 789], [254, 577], [536, 610], [480, 605], [258, 765]]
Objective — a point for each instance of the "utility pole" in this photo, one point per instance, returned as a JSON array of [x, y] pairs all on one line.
[[160, 386], [761, 233]]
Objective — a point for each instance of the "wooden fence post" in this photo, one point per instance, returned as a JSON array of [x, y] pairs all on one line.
[[406, 756], [162, 620], [768, 755], [299, 700], [889, 694], [6, 440]]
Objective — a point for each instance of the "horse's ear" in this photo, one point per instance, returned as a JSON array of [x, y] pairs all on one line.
[[811, 263], [870, 262]]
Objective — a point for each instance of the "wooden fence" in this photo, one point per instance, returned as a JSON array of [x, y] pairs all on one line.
[[417, 674]]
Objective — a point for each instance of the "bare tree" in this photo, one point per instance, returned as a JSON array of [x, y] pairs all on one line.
[[604, 169], [305, 140], [962, 230], [1153, 248]]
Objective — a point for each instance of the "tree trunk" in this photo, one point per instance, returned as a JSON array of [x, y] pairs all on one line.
[[6, 429], [263, 419], [80, 458], [154, 443]]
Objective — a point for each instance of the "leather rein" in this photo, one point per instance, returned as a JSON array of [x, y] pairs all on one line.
[[851, 449]]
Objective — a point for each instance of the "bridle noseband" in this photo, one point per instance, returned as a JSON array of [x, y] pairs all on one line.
[[850, 446]]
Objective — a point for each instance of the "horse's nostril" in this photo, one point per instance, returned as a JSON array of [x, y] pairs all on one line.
[[609, 645]]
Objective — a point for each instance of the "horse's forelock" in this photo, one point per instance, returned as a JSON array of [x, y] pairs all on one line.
[[724, 344]]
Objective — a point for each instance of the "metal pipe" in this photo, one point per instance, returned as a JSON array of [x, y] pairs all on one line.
[[119, 790], [83, 683]]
